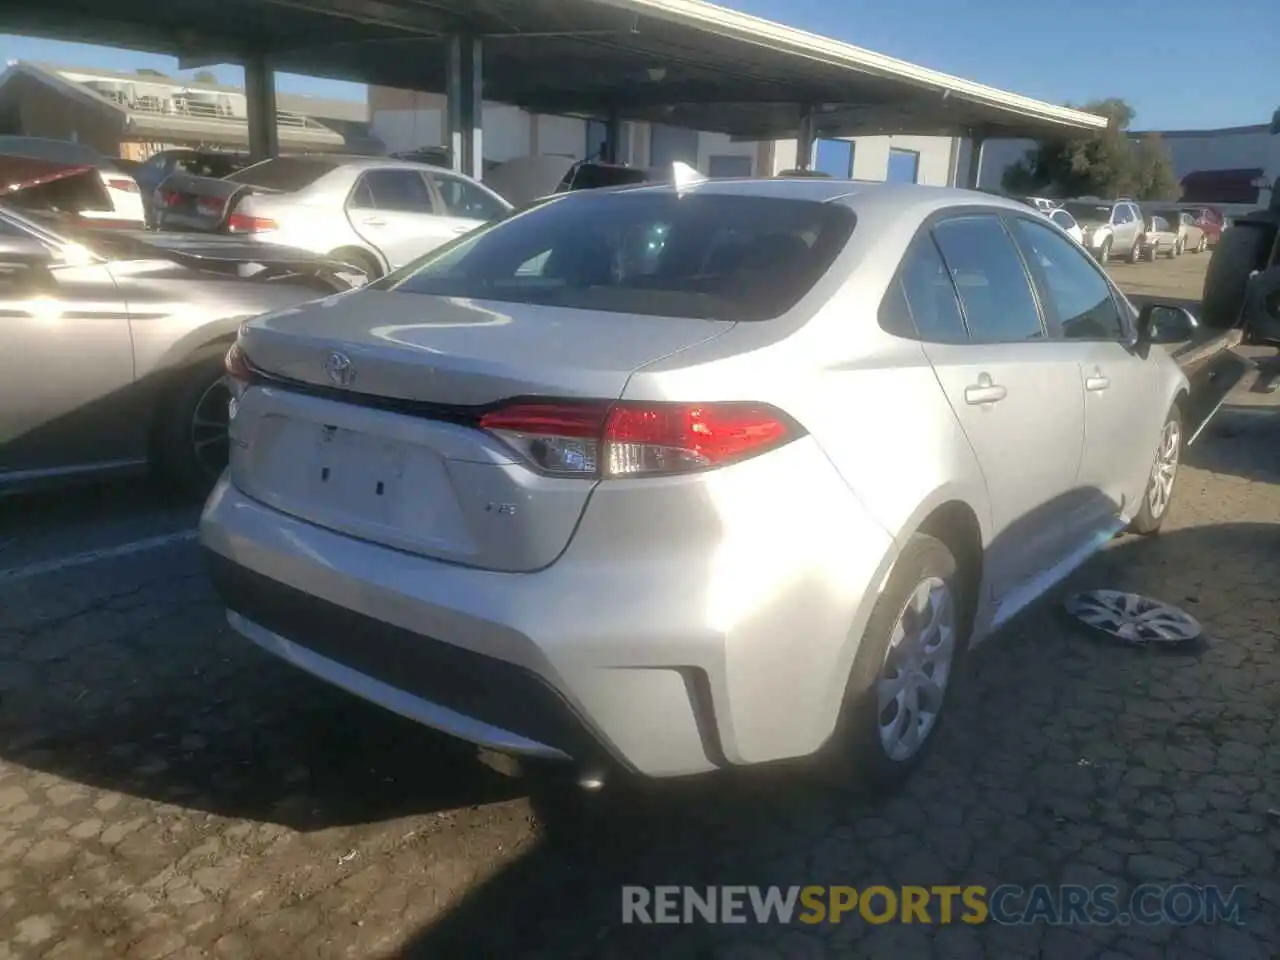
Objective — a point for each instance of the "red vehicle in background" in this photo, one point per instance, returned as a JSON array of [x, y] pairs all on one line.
[[1210, 220]]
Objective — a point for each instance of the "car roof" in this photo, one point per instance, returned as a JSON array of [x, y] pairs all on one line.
[[373, 163], [858, 194]]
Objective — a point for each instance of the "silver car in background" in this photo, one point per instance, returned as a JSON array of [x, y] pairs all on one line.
[[374, 213], [112, 346], [683, 477]]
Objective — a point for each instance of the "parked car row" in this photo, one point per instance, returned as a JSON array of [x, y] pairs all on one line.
[[1133, 231]]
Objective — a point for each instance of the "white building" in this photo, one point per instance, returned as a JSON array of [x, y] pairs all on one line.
[[404, 120]]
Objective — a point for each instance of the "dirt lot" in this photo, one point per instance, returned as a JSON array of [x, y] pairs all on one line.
[[168, 792]]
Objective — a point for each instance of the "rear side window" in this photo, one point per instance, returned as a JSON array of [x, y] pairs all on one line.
[[990, 278], [715, 256], [930, 295], [396, 191], [285, 174]]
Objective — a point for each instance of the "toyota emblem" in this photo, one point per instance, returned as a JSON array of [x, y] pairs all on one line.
[[340, 369]]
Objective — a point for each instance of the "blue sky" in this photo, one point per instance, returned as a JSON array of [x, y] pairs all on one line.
[[1179, 63]]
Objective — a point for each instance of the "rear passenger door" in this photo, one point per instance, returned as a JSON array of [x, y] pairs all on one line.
[[1017, 397], [394, 211]]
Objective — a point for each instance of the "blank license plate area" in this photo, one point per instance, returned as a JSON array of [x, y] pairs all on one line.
[[356, 474], [354, 479]]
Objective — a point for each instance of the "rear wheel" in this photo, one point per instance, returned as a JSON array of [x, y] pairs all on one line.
[[1203, 245], [362, 260], [1175, 250], [1135, 252], [1240, 250], [905, 667], [190, 443]]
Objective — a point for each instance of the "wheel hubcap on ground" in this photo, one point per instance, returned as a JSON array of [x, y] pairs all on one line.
[[210, 443], [1165, 469], [917, 667], [1133, 618]]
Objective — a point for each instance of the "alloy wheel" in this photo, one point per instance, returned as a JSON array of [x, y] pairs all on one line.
[[917, 667], [210, 423], [1165, 469]]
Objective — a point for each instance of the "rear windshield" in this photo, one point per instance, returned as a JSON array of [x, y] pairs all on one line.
[[284, 173], [713, 256], [1089, 211]]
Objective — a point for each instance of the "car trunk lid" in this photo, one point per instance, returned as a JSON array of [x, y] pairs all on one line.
[[186, 202], [369, 427]]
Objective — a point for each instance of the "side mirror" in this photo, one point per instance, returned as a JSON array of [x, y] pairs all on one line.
[[1165, 323]]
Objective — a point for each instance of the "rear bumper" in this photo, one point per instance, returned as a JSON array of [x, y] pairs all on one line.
[[669, 661]]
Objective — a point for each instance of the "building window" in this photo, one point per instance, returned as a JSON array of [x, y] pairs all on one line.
[[904, 166], [835, 158]]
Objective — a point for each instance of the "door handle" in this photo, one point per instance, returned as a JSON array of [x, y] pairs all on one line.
[[374, 222], [459, 231], [1096, 383], [984, 391]]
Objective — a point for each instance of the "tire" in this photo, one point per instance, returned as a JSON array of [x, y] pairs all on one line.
[[363, 260], [1155, 506], [1203, 245], [1239, 252], [189, 455], [1135, 252], [1175, 250], [1104, 252], [856, 755]]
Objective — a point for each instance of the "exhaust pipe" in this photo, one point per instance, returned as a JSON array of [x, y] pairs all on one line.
[[588, 779]]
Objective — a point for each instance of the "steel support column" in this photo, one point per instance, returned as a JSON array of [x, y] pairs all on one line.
[[976, 142], [805, 140], [613, 138], [465, 105], [260, 105]]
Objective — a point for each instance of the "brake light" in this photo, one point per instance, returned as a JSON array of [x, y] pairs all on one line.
[[601, 439], [244, 223], [128, 186], [237, 365]]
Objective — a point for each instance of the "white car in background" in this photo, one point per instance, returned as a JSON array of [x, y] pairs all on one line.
[[1067, 222], [121, 187], [374, 213]]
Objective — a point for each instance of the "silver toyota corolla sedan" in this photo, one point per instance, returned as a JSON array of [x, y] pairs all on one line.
[[685, 477]]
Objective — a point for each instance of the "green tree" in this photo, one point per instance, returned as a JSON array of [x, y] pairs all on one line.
[[1104, 163], [204, 76]]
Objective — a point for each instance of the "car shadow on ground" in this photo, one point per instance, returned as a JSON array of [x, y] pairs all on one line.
[[1032, 780], [148, 693]]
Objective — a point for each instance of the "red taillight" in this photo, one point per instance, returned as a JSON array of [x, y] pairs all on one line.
[[638, 439], [244, 223], [236, 365], [117, 183]]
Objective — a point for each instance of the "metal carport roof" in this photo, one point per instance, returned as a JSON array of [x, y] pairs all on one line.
[[679, 62]]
